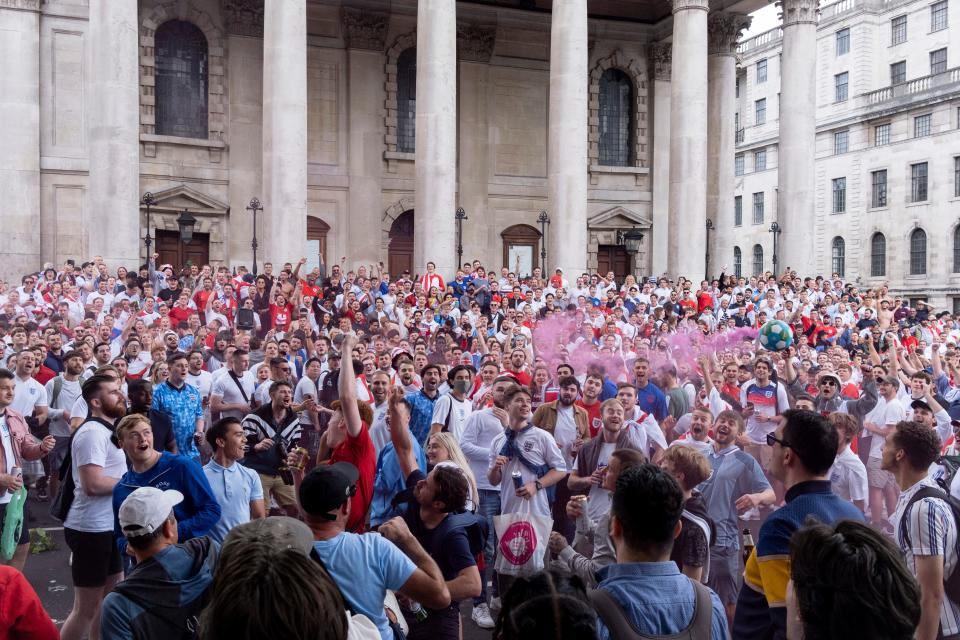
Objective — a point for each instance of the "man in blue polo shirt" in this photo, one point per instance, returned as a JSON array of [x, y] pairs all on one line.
[[649, 396], [236, 488]]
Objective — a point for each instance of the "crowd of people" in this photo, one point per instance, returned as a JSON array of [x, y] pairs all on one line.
[[332, 454]]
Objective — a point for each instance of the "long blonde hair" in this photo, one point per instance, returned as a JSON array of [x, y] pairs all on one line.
[[455, 455]]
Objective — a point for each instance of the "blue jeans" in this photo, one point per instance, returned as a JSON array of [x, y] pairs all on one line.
[[489, 507]]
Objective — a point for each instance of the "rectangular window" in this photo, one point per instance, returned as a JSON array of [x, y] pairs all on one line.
[[918, 182], [841, 142], [921, 126], [938, 61], [839, 195], [761, 71], [938, 15], [736, 88], [881, 135], [737, 211], [758, 208], [760, 111], [956, 177], [878, 196], [759, 160], [898, 30], [843, 41], [898, 72], [738, 164], [840, 82]]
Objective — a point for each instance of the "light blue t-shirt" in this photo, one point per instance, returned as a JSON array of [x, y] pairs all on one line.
[[234, 487], [364, 567]]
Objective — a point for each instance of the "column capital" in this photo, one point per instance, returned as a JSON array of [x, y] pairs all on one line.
[[475, 41], [23, 5], [681, 5], [243, 17], [661, 57], [798, 11], [724, 30], [364, 29]]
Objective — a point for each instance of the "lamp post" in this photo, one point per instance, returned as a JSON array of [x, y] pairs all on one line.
[[254, 206], [710, 228], [775, 230], [186, 223], [460, 216], [544, 220], [148, 201], [631, 239]]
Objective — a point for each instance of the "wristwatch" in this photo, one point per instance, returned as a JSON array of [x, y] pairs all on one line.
[[538, 485]]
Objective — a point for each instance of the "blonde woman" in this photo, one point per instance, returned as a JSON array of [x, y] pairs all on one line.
[[442, 449], [159, 373]]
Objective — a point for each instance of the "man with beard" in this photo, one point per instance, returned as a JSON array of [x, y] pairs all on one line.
[[736, 484], [421, 403], [830, 398], [61, 393], [182, 403], [406, 377], [141, 397], [379, 389]]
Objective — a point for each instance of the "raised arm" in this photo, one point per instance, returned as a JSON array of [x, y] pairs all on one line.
[[400, 432], [348, 386]]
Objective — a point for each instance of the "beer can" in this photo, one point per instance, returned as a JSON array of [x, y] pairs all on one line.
[[301, 457], [517, 479], [16, 472]]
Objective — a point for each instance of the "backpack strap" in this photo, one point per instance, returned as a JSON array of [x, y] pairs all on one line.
[[701, 627], [617, 623], [622, 628]]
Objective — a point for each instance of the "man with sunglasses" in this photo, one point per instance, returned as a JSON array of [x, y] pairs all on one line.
[[804, 446], [829, 398]]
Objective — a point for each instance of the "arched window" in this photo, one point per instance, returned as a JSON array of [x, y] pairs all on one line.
[[838, 256], [407, 100], [181, 80], [918, 252], [757, 259], [616, 119], [878, 255], [737, 262], [956, 247]]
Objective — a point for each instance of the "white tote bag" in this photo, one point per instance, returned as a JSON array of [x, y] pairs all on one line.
[[522, 542]]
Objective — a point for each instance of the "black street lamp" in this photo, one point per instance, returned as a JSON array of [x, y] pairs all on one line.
[[460, 216], [254, 206], [776, 231], [544, 221], [710, 228], [148, 201], [186, 222]]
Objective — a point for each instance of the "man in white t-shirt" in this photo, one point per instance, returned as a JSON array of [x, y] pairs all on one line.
[[881, 422], [232, 393], [380, 390], [450, 411], [30, 398], [848, 475]]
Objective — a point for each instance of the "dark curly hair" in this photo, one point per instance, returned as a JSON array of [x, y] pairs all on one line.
[[919, 442], [546, 606]]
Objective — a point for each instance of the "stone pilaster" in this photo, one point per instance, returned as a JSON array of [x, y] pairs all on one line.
[[285, 129], [436, 135], [660, 57], [795, 164], [114, 125], [724, 31], [688, 140], [568, 138]]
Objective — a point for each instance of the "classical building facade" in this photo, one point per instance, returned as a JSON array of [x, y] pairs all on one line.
[[880, 172], [362, 126]]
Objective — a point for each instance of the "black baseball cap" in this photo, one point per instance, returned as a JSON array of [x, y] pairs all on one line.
[[327, 487], [921, 404]]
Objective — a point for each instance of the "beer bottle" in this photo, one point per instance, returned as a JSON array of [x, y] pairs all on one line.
[[747, 545]]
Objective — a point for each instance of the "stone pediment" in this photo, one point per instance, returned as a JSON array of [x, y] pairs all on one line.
[[618, 217], [182, 197]]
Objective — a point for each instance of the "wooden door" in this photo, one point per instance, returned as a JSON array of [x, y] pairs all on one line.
[[401, 245], [613, 258], [174, 252]]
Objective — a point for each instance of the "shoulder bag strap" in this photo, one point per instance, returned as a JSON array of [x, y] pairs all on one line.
[[239, 384], [316, 558], [612, 615]]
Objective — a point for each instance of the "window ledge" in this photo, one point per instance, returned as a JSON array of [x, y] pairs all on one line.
[[185, 142], [883, 208], [399, 155], [919, 203], [599, 168]]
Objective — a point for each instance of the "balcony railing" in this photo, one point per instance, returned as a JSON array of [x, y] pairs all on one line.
[[739, 136], [761, 40], [912, 87]]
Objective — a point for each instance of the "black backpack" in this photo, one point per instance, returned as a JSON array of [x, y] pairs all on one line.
[[951, 584], [61, 503]]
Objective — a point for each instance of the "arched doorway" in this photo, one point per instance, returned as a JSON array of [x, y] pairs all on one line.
[[400, 252], [317, 231], [521, 249]]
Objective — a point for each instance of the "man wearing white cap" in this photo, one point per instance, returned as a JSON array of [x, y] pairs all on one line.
[[165, 592]]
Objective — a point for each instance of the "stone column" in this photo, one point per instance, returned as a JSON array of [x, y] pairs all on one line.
[[284, 130], [795, 155], [688, 140], [114, 131], [364, 33], [567, 146], [436, 135], [20, 132], [724, 31], [660, 59]]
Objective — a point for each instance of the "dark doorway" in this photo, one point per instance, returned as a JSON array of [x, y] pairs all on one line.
[[174, 252], [401, 244], [317, 231], [614, 258]]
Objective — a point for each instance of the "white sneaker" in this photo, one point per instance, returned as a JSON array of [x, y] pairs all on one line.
[[481, 616], [494, 604]]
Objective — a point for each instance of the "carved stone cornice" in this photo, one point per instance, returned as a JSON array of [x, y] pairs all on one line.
[[364, 29], [798, 11], [682, 5], [724, 29], [243, 17], [475, 42], [24, 5], [661, 58]]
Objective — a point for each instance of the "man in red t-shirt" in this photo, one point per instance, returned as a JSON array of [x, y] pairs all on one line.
[[281, 312], [348, 437], [592, 387], [517, 367]]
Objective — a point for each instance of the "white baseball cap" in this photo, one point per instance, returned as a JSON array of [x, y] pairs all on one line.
[[146, 509]]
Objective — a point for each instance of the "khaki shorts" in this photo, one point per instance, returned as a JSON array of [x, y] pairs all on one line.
[[877, 478], [282, 493], [762, 453]]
